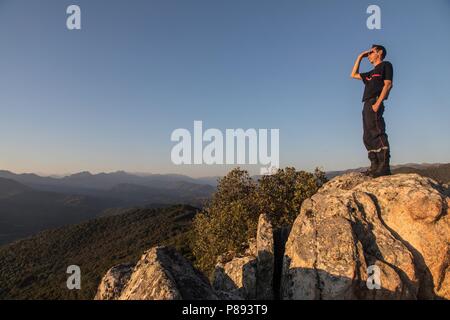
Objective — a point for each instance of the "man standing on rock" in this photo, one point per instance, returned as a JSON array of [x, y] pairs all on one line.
[[378, 84]]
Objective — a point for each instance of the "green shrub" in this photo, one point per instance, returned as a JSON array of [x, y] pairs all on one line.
[[231, 216], [227, 221]]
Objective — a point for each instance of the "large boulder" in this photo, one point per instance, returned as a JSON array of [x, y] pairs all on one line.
[[249, 276], [265, 259], [416, 212], [162, 274], [113, 282], [236, 278], [398, 225]]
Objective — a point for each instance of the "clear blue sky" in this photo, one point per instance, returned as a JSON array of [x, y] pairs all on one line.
[[108, 97]]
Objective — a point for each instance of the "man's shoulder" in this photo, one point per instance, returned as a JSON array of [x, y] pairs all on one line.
[[383, 66]]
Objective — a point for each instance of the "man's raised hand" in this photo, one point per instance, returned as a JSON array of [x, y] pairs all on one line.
[[364, 53]]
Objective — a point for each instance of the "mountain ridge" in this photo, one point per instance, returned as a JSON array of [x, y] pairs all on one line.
[[35, 267], [103, 180]]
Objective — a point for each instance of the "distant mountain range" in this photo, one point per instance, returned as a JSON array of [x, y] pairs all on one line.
[[30, 203], [437, 171], [24, 210], [87, 182]]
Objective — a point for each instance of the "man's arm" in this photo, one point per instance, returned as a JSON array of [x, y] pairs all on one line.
[[384, 93], [355, 71]]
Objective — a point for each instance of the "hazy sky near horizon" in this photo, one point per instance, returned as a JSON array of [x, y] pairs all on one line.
[[108, 97]]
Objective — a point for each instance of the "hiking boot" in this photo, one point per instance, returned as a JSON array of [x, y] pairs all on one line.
[[383, 168], [374, 164]]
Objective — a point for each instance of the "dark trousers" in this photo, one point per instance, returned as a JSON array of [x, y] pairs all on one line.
[[375, 137]]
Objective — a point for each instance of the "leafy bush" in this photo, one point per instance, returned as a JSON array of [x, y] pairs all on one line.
[[230, 218], [227, 221]]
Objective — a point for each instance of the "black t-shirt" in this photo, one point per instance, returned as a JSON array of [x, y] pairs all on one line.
[[374, 80]]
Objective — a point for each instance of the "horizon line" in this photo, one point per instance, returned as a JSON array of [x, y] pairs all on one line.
[[93, 173]]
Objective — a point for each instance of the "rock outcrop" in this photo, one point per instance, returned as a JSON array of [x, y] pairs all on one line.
[[249, 276], [236, 278], [399, 224], [113, 282], [356, 238], [265, 259], [161, 274]]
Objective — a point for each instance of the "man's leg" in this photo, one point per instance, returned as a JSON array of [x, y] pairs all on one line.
[[369, 129], [384, 154], [375, 140], [374, 164], [384, 168]]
